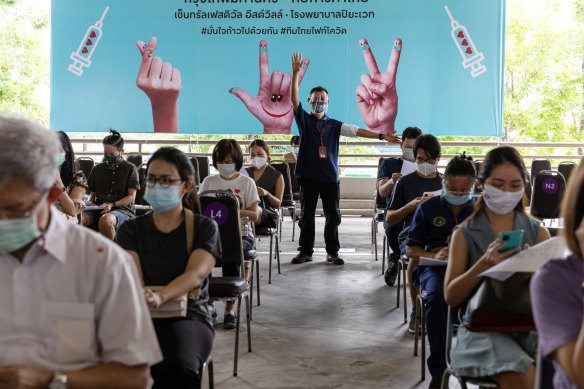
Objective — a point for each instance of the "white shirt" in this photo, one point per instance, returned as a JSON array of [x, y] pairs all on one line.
[[243, 187], [74, 301]]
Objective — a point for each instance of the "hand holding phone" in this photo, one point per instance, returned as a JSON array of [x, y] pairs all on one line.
[[512, 239]]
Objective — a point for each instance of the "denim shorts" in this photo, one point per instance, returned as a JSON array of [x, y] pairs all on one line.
[[94, 216]]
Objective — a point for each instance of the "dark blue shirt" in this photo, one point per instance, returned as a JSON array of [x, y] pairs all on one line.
[[308, 163], [409, 187], [387, 168], [434, 221]]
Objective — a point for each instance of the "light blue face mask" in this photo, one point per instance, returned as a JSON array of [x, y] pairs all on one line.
[[162, 199], [295, 150], [17, 233], [456, 200]]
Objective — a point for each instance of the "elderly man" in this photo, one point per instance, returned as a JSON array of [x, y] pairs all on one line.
[[72, 313]]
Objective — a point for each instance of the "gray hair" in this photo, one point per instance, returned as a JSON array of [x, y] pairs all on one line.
[[28, 151]]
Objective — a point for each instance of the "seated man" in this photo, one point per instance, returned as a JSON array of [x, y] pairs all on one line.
[[113, 185], [411, 189], [388, 174], [73, 315], [428, 236]]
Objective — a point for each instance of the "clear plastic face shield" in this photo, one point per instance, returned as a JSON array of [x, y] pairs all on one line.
[[319, 102]]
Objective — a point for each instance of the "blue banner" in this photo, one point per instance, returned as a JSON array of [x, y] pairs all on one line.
[[224, 66]]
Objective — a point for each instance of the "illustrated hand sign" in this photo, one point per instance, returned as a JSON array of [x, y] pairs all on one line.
[[377, 95], [273, 105], [162, 85]]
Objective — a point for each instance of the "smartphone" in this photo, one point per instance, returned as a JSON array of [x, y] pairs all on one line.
[[512, 239]]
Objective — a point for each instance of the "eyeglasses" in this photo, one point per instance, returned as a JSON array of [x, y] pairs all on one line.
[[428, 160], [9, 214], [164, 181]]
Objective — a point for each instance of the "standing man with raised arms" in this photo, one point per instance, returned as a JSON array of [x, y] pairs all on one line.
[[317, 165]]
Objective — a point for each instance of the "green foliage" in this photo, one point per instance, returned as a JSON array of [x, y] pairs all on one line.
[[24, 59]]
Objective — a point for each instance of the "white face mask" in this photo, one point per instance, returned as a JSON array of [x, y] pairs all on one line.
[[408, 154], [226, 170], [258, 162], [426, 168], [501, 202]]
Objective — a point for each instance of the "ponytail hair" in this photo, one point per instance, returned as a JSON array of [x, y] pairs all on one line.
[[114, 139]]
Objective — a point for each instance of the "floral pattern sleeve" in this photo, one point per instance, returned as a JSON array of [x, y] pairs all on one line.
[[79, 179]]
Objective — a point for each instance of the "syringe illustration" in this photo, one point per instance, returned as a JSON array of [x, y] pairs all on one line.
[[82, 57], [470, 56]]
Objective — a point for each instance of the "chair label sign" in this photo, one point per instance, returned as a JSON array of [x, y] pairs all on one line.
[[218, 212], [550, 186]]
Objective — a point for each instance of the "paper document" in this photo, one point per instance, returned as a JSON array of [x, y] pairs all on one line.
[[530, 260], [93, 208], [408, 167], [425, 261]]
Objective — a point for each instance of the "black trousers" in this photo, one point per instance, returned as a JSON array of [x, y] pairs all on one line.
[[392, 233], [330, 195], [185, 343]]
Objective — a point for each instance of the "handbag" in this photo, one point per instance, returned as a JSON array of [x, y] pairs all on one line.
[[178, 306], [501, 306], [272, 215]]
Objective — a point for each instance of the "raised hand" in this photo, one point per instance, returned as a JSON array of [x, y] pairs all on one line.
[[162, 85], [377, 95], [273, 105]]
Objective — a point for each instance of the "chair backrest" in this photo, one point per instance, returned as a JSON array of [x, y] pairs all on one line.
[[546, 194], [478, 186], [86, 164], [380, 202], [223, 207], [135, 159], [195, 163], [537, 165], [203, 161], [566, 169], [283, 168], [142, 170]]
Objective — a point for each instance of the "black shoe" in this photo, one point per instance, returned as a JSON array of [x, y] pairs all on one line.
[[391, 271], [436, 382], [229, 321], [335, 259], [301, 258]]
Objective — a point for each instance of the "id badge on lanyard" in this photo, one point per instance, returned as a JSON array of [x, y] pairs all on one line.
[[322, 148]]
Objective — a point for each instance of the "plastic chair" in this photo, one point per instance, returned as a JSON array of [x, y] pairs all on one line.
[[537, 165], [86, 164], [223, 207], [566, 169], [547, 192], [135, 159], [402, 265], [288, 198]]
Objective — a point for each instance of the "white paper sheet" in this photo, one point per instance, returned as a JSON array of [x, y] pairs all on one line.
[[425, 261], [528, 261], [408, 167]]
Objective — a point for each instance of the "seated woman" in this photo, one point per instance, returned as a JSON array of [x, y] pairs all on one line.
[[74, 183], [506, 357], [228, 160], [158, 243], [556, 294], [428, 236], [269, 181]]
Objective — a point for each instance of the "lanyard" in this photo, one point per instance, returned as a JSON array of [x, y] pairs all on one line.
[[318, 130]]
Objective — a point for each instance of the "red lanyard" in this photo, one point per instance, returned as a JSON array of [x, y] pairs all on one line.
[[318, 130]]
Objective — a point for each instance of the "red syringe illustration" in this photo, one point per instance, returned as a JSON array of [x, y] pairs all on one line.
[[470, 56], [82, 57]]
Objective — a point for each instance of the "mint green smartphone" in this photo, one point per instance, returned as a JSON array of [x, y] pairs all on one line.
[[512, 239]]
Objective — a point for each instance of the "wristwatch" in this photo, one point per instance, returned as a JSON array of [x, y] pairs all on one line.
[[380, 137], [59, 381]]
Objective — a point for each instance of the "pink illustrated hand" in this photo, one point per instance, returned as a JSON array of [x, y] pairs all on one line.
[[377, 95], [162, 85], [273, 104]]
